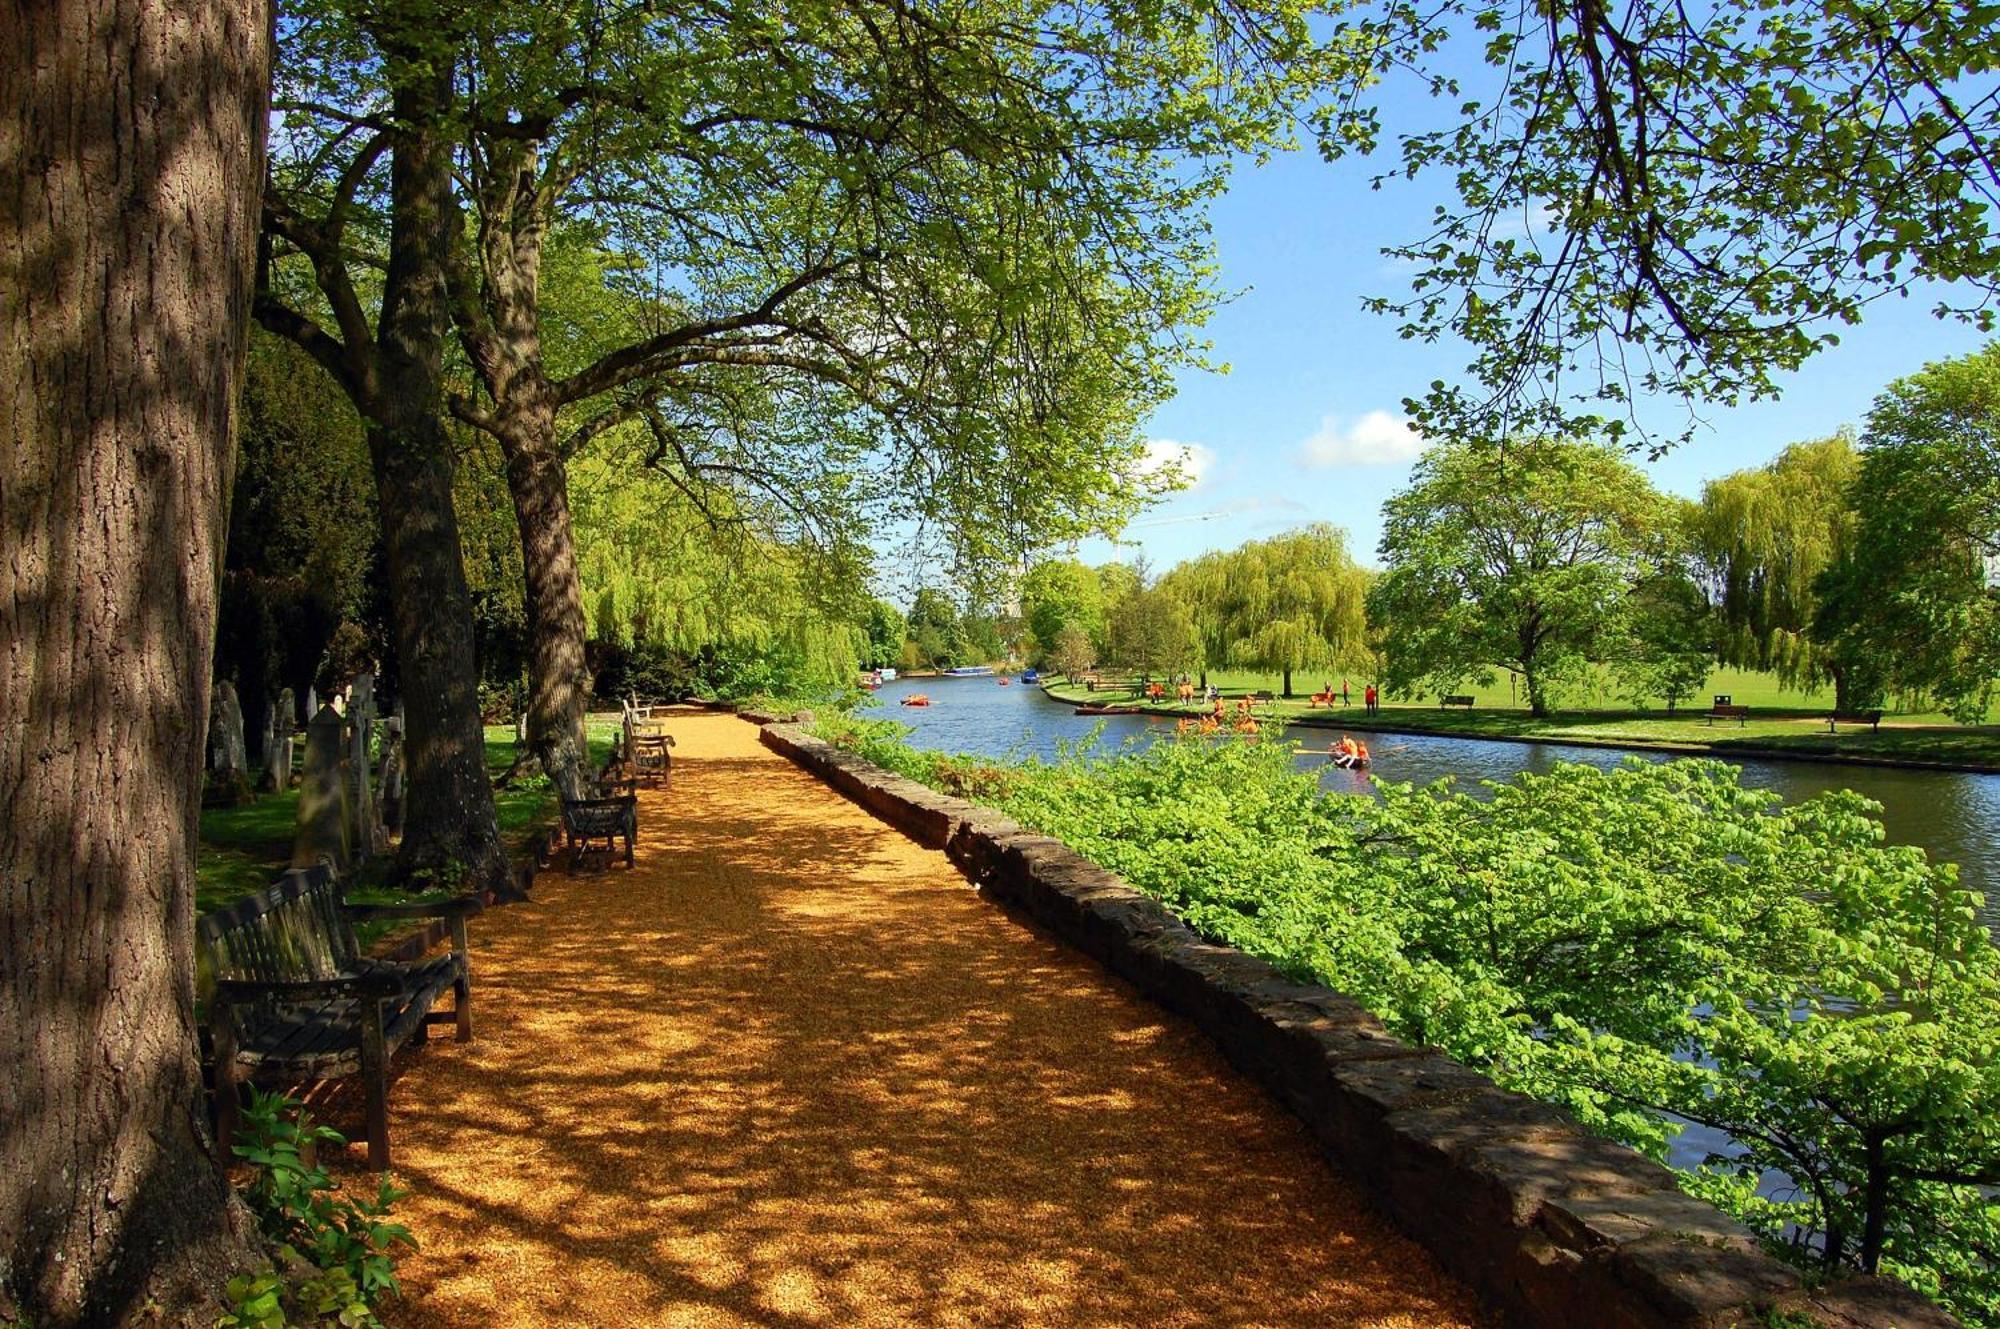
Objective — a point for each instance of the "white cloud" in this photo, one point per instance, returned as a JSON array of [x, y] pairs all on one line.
[[1193, 460], [1376, 439]]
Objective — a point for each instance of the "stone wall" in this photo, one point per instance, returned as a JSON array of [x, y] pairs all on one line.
[[1554, 1226]]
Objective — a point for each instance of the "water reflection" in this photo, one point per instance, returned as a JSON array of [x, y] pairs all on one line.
[[1955, 817]]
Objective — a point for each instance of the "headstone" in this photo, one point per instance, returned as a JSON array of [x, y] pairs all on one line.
[[312, 703], [520, 726], [225, 730], [323, 820], [278, 750], [365, 832], [392, 774]]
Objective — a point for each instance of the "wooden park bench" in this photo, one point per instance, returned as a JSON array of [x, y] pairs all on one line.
[[652, 754], [1723, 710], [1873, 719], [1455, 699], [601, 822], [295, 999]]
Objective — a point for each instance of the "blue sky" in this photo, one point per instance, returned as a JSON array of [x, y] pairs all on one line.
[[1304, 426]]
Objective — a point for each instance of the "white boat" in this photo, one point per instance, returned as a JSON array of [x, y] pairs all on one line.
[[969, 671]]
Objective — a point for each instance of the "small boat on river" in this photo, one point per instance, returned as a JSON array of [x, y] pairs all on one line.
[[1105, 708], [1348, 755], [916, 699], [969, 671], [1030, 676]]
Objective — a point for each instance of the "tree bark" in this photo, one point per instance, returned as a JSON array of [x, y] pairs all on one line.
[[451, 828], [130, 164], [498, 315], [557, 669]]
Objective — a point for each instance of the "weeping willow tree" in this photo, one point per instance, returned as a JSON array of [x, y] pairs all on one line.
[[709, 576], [1295, 601], [1765, 537]]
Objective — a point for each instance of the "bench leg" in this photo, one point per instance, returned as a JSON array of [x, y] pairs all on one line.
[[461, 987], [375, 1082]]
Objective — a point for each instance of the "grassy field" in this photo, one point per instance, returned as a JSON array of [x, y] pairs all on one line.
[[1781, 720], [243, 848]]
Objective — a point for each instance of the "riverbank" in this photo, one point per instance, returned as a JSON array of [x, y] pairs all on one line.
[[1770, 733]]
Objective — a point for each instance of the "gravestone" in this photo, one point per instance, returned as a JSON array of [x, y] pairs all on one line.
[[365, 831], [323, 817], [312, 703], [392, 774], [225, 731], [278, 756]]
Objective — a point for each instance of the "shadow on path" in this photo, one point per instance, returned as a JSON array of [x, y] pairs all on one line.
[[792, 1071]]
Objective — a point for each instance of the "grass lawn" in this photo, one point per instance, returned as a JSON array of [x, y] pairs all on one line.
[[1780, 720], [242, 849]]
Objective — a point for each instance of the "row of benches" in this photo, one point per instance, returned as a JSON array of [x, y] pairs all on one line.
[[293, 998], [1724, 709]]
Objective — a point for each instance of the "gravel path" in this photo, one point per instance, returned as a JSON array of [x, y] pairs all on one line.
[[791, 1071]]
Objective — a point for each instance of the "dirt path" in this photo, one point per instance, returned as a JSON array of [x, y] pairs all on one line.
[[791, 1071]]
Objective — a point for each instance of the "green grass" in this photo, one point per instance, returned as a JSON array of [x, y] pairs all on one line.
[[243, 848], [1781, 719]]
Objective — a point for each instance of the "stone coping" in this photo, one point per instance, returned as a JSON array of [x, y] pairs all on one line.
[[1555, 1227]]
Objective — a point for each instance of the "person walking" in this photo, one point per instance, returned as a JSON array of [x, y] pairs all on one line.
[[1343, 692], [1369, 698]]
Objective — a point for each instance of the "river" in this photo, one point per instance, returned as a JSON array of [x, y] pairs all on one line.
[[1954, 817]]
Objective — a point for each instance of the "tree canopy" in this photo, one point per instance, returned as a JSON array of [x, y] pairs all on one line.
[[1522, 556]]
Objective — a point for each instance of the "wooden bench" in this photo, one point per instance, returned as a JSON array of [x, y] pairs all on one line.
[[652, 754], [295, 999], [1725, 711], [591, 823], [1873, 719], [1455, 699]]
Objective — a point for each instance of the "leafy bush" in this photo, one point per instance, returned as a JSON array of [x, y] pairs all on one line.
[[1650, 945], [350, 1246]]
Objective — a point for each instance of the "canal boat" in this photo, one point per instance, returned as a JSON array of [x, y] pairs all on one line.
[[1030, 676], [969, 671]]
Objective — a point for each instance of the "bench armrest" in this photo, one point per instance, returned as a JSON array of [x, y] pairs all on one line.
[[455, 908]]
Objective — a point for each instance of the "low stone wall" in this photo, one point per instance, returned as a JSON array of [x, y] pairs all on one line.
[[1554, 1226]]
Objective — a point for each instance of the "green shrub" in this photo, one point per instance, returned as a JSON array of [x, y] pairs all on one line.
[[349, 1245], [1648, 945]]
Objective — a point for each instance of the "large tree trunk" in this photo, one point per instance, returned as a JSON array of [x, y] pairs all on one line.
[[500, 327], [557, 671], [130, 165], [450, 827]]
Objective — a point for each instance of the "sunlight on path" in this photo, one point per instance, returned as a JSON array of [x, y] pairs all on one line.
[[792, 1071]]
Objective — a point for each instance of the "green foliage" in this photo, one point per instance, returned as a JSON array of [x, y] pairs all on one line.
[[350, 1243], [1295, 601], [1766, 537], [1681, 201], [1062, 595], [1149, 634], [1645, 945], [1915, 603], [1523, 555]]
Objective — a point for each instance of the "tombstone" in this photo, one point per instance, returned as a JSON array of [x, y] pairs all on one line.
[[520, 726], [392, 774], [365, 831], [278, 747], [225, 731], [312, 702], [323, 819]]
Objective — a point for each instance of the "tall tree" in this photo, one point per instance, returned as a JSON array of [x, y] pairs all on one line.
[[129, 171], [1150, 634], [1059, 594], [1520, 556], [1765, 537], [1296, 601], [1917, 602], [981, 225], [1665, 199], [380, 284]]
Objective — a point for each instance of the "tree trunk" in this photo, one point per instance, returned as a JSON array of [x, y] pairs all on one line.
[[130, 169], [1532, 684], [450, 827], [557, 671], [499, 325], [1288, 684]]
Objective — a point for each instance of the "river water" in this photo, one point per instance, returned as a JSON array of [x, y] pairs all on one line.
[[1955, 817]]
